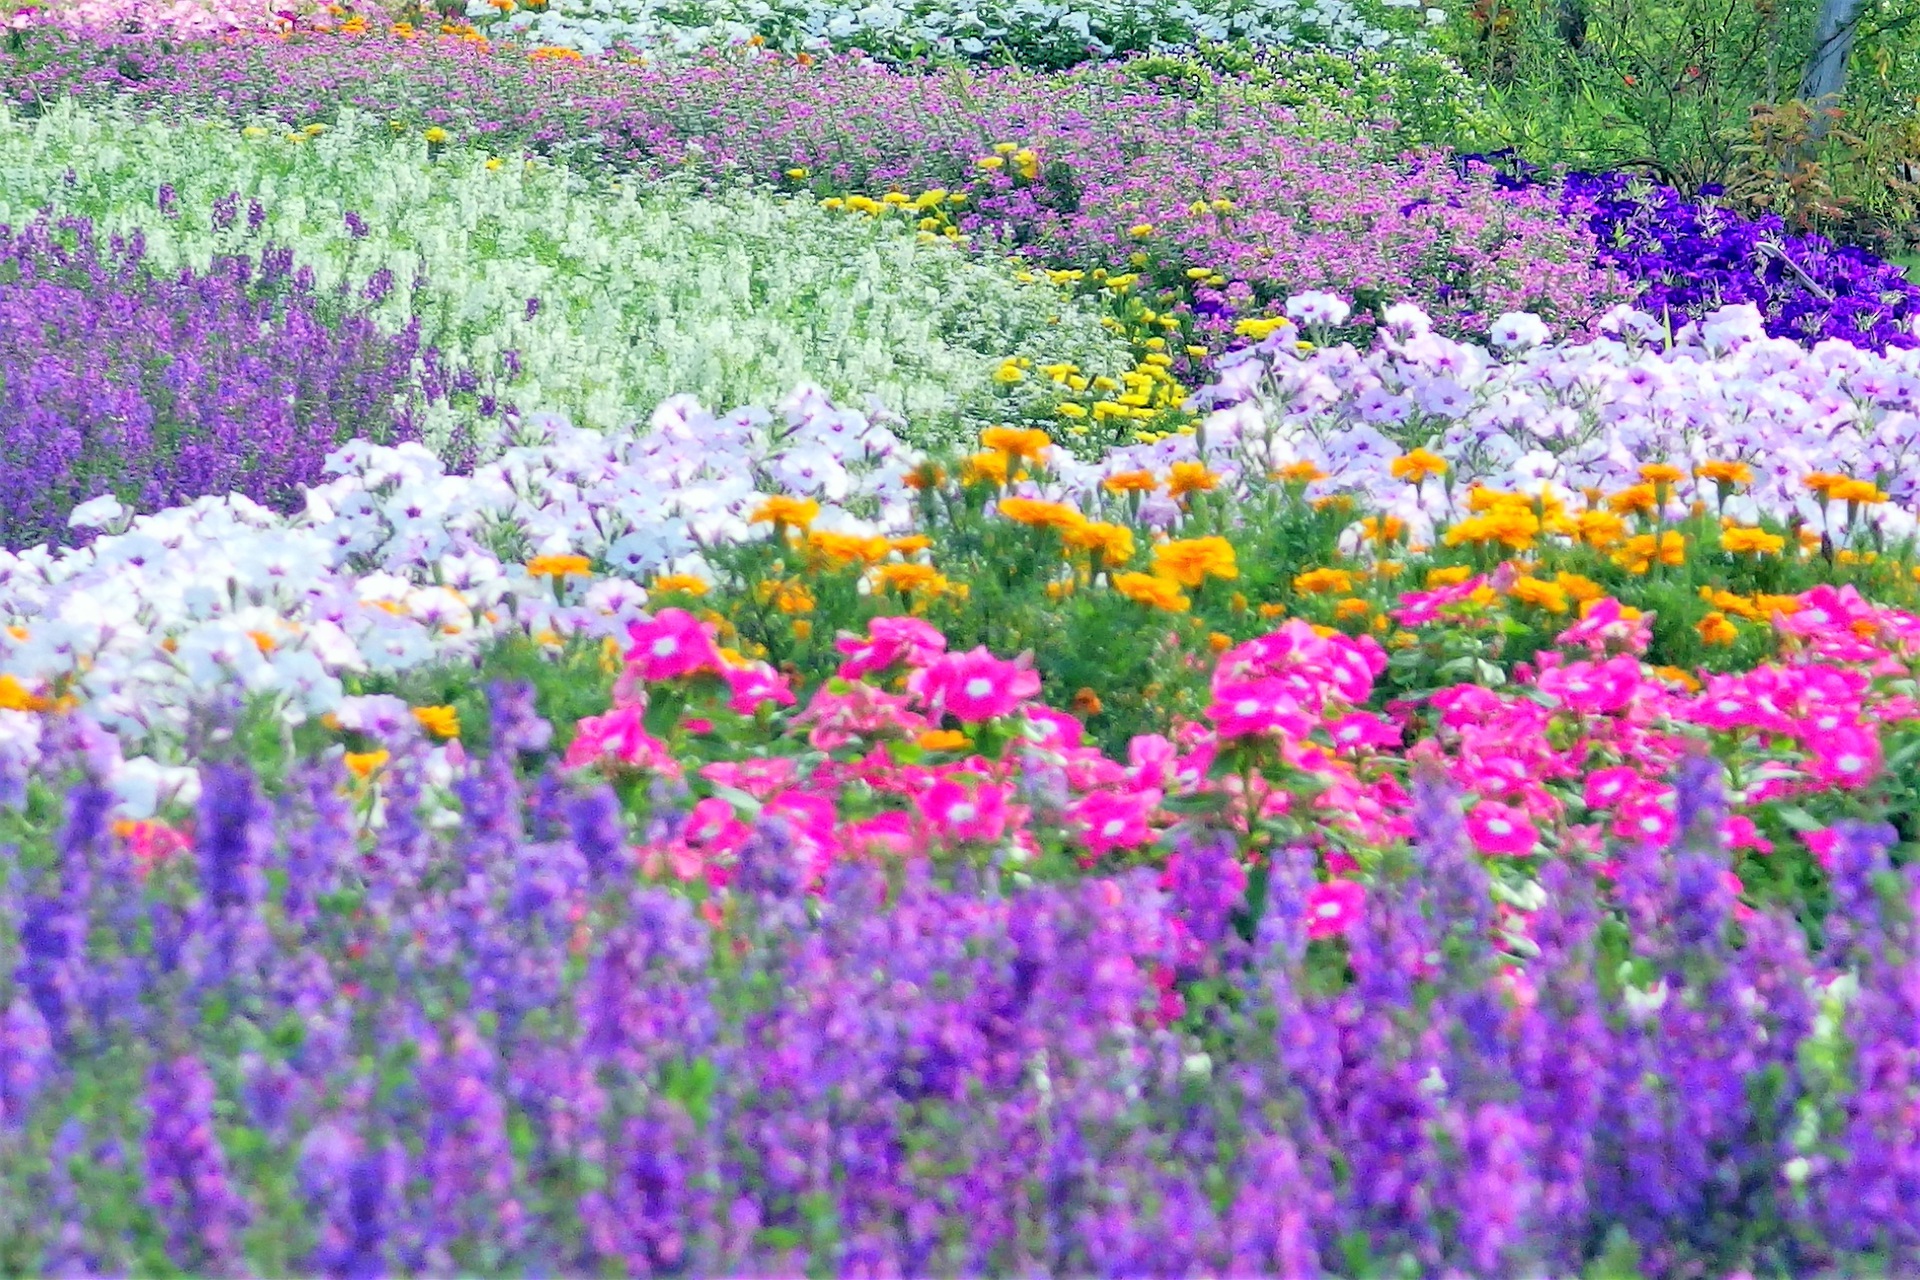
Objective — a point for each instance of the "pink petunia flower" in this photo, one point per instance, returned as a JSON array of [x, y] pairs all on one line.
[[959, 812], [619, 737], [889, 641], [1500, 829], [1608, 787], [1847, 757], [1114, 820], [671, 644], [755, 684], [1251, 707], [974, 686], [1334, 908]]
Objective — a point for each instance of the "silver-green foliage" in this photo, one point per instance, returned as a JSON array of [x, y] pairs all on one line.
[[611, 295]]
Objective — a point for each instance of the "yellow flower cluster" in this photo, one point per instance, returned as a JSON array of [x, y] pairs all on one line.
[[931, 211]]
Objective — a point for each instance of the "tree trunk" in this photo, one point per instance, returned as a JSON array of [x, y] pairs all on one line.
[[1826, 75]]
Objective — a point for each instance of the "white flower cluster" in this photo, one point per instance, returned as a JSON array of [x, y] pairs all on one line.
[[397, 565], [1036, 32], [1524, 414], [592, 299]]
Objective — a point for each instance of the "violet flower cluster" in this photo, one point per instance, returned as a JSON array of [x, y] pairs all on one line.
[[156, 391], [492, 1047], [1692, 256]]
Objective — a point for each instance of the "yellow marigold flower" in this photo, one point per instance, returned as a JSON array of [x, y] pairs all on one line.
[[441, 722], [1323, 582], [361, 764], [1140, 230], [1352, 607], [15, 697], [1154, 592], [907, 578], [436, 135], [943, 740], [1448, 576], [1040, 515], [984, 468], [1661, 473], [1191, 561], [1416, 466], [1262, 327], [1540, 593], [1068, 409], [1301, 473], [1131, 482], [801, 629], [1715, 630], [1009, 373], [559, 567], [1114, 542], [1729, 473], [683, 583], [1743, 539], [991, 163], [1190, 477]]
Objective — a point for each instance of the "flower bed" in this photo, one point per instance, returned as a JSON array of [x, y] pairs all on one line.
[[1080, 172]]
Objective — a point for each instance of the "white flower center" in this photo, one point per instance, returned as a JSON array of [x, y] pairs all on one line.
[[665, 647], [978, 687]]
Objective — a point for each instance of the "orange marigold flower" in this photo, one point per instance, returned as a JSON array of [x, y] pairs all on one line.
[[1300, 473], [1131, 482], [848, 548], [1352, 607], [1029, 443], [1040, 515], [1661, 473], [683, 583], [984, 468], [1191, 561], [1114, 542], [1864, 492], [783, 510], [1634, 499], [559, 567], [1540, 593], [1191, 477], [1729, 473], [1743, 540], [943, 740], [1716, 630], [1451, 575], [361, 764], [1323, 582], [441, 722], [1151, 590], [909, 577], [1415, 466], [1086, 702]]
